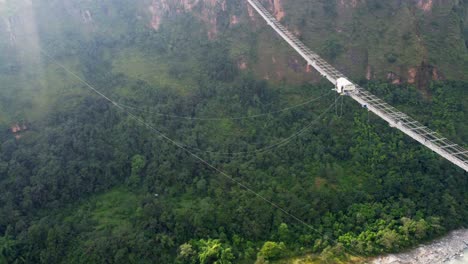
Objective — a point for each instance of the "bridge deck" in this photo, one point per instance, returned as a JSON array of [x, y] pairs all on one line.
[[431, 139]]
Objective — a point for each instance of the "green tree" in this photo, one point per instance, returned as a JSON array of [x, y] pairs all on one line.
[[213, 251], [138, 164], [332, 254], [283, 233], [7, 250], [389, 239], [272, 250], [186, 253]]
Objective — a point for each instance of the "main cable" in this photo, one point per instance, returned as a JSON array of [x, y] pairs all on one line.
[[270, 147], [225, 118], [194, 155]]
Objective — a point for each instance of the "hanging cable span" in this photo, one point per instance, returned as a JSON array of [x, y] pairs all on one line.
[[273, 146], [194, 155], [454, 153], [226, 118]]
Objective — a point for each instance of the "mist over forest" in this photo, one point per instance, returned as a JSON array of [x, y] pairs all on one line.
[[188, 131]]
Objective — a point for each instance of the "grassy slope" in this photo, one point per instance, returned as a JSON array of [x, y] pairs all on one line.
[[112, 211], [370, 32], [149, 68]]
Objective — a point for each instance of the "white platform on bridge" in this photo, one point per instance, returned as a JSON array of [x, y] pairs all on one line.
[[431, 139]]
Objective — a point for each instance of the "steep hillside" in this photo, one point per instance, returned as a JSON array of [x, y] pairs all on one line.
[[83, 182], [402, 41], [397, 41]]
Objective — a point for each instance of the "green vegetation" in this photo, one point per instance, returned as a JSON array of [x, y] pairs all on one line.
[[272, 250], [367, 32], [85, 183]]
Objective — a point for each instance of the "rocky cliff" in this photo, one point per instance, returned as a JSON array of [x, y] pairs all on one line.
[[412, 41], [401, 41]]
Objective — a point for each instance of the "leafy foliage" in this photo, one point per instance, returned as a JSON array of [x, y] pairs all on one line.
[[272, 250], [88, 184]]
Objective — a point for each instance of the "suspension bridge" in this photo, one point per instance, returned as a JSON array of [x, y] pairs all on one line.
[[399, 120], [431, 139]]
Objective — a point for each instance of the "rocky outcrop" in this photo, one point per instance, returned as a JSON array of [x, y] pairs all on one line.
[[251, 12], [276, 8], [18, 128], [393, 78], [157, 10], [207, 11], [305, 22], [420, 75], [412, 72], [440, 251], [234, 20], [242, 64], [368, 73], [425, 5]]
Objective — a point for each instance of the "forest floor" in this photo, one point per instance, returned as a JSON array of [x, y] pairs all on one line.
[[439, 251]]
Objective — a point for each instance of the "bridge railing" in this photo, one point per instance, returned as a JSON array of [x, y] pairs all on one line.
[[311, 57], [431, 139], [441, 145]]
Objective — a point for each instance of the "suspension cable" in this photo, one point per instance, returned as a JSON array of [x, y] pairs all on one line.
[[225, 118], [279, 144], [159, 134]]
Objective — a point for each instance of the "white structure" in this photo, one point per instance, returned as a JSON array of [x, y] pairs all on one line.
[[431, 139], [343, 85]]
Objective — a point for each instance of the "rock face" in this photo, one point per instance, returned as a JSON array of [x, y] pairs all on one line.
[[361, 32], [309, 18], [439, 251], [425, 5], [207, 10], [276, 8], [18, 128]]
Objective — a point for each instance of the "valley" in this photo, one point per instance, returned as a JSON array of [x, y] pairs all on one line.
[[83, 182]]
